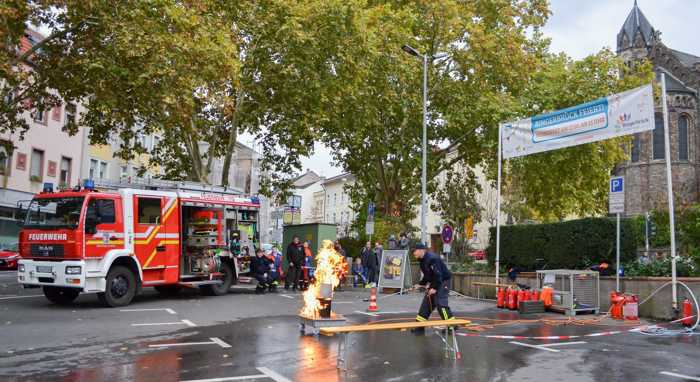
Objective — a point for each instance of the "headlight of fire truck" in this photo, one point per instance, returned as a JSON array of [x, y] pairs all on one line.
[[20, 268], [73, 270]]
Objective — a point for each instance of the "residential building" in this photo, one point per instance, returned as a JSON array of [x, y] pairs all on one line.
[[47, 154], [645, 172], [336, 205]]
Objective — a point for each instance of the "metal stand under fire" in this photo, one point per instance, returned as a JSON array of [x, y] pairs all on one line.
[[323, 316]]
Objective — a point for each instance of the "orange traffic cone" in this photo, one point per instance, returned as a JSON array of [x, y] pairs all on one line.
[[373, 301]]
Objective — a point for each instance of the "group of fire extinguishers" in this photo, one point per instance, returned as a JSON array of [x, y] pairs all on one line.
[[512, 298]]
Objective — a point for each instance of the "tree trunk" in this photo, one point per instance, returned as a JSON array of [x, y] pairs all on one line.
[[231, 145]]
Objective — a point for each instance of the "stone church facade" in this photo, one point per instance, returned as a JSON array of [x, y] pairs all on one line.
[[645, 172]]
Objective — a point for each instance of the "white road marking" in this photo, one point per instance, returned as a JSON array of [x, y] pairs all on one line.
[[17, 297], [181, 322], [367, 313], [344, 302], [273, 374], [220, 342], [149, 310], [686, 377], [564, 343], [534, 346], [224, 379], [189, 323], [181, 344], [287, 296]]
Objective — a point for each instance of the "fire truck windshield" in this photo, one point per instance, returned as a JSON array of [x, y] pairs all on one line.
[[54, 213]]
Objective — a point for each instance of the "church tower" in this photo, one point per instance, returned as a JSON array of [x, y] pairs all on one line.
[[634, 41], [644, 172]]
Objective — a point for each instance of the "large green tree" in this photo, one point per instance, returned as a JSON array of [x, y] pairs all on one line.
[[198, 73], [374, 120]]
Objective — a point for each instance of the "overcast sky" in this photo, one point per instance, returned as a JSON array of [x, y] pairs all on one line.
[[580, 28]]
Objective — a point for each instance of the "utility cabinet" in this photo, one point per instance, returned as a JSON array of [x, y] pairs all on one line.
[[574, 291]]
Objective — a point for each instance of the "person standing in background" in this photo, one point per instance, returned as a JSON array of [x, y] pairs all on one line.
[[295, 260], [403, 241]]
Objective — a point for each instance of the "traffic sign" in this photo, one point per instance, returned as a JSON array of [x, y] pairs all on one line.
[[369, 228], [370, 211], [616, 195], [447, 232]]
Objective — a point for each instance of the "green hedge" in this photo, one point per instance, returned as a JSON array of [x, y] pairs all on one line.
[[574, 244]]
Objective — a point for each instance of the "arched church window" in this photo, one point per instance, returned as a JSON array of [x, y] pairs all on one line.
[[658, 137], [683, 137], [636, 146]]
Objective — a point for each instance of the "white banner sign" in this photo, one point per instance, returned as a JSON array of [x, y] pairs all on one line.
[[613, 116]]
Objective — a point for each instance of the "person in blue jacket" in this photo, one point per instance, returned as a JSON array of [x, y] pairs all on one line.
[[436, 279], [260, 269]]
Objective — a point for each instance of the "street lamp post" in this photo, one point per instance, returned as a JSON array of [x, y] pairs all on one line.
[[424, 160]]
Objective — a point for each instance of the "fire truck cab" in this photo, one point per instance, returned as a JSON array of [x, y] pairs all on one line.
[[115, 243]]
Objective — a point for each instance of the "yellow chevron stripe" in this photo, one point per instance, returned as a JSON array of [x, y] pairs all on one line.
[[150, 237], [169, 211], [148, 261], [162, 242], [111, 242]]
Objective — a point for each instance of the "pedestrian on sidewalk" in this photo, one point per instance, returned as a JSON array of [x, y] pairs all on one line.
[[371, 265], [295, 260]]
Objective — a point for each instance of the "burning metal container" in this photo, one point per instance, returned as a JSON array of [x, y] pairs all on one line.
[[318, 299]]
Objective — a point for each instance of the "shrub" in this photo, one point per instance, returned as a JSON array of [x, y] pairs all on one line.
[[574, 244]]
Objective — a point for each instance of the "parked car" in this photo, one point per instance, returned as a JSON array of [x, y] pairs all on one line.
[[478, 255], [9, 256]]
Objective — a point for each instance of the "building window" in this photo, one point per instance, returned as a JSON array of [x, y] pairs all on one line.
[[98, 169], [103, 170], [636, 146], [334, 218], [5, 158], [36, 166], [64, 172], [658, 137], [70, 116], [39, 116], [683, 138], [123, 172]]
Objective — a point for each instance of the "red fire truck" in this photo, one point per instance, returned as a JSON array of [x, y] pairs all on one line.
[[117, 242]]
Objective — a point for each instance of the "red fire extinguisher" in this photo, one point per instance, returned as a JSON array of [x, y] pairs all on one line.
[[501, 298], [521, 297], [687, 313], [512, 299], [616, 303]]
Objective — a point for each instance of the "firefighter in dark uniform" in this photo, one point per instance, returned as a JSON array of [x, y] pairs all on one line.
[[436, 278]]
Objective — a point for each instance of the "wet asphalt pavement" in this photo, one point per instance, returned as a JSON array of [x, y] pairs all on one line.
[[248, 337]]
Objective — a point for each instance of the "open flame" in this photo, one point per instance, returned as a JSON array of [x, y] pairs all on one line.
[[329, 265]]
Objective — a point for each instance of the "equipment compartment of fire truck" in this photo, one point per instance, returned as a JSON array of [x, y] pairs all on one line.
[[115, 243]]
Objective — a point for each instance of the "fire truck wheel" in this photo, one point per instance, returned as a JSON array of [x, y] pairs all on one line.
[[220, 289], [121, 287], [168, 290], [61, 296]]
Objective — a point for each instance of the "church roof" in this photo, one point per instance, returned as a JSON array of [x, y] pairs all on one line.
[[636, 21], [673, 84], [686, 59]]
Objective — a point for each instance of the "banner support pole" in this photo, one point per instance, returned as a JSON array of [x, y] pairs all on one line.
[[669, 191], [498, 208]]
